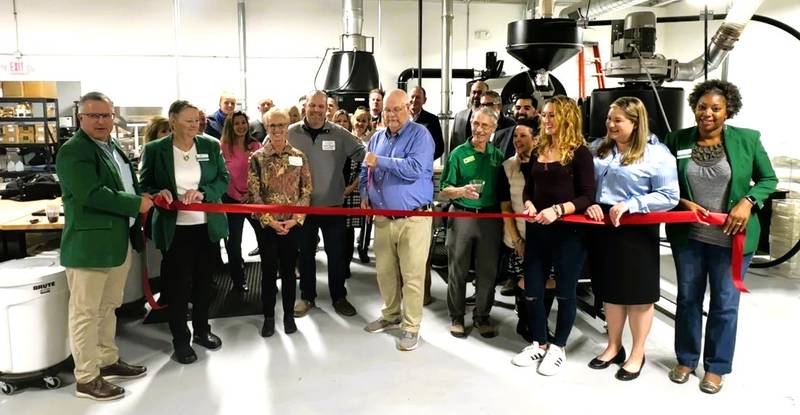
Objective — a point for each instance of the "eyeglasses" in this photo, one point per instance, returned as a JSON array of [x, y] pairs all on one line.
[[277, 126], [481, 126], [395, 110], [487, 104], [97, 116]]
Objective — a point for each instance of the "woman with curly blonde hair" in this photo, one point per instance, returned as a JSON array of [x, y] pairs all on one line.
[[559, 180]]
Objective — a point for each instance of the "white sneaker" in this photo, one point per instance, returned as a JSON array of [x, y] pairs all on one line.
[[553, 361], [528, 356]]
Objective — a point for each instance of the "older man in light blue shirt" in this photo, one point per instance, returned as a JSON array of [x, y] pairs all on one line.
[[398, 175]]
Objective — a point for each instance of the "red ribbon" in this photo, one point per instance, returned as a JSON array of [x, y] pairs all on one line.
[[717, 219]]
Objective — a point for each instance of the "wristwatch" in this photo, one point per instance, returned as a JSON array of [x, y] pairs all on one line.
[[751, 199]]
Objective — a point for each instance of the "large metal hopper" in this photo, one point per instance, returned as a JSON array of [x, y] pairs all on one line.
[[544, 44]]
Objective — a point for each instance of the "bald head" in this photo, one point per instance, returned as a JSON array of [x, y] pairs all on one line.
[[475, 93], [395, 110]]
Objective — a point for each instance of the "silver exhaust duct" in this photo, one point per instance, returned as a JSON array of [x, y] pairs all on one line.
[[721, 43], [353, 21]]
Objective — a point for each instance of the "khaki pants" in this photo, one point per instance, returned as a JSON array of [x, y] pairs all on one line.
[[401, 251], [94, 295]]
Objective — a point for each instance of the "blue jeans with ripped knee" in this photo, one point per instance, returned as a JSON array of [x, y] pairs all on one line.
[[559, 246]]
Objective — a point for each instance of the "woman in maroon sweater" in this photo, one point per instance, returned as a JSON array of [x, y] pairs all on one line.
[[559, 180]]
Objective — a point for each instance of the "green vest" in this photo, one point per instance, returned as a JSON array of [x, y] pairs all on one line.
[[158, 173], [97, 210], [749, 162]]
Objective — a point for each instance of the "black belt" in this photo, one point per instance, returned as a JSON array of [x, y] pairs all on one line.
[[422, 208], [476, 210]]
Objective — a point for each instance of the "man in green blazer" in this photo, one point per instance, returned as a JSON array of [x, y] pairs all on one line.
[[101, 208]]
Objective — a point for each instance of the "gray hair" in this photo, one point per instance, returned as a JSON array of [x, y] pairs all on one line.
[[485, 111], [273, 112], [94, 96], [494, 96]]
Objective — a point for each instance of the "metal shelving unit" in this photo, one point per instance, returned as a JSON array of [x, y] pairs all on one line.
[[39, 110]]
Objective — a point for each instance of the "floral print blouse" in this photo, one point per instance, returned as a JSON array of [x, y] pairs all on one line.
[[279, 179]]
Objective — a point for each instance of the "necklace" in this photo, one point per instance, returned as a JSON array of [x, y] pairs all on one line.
[[185, 156]]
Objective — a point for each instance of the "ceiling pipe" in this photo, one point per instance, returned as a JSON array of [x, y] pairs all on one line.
[[242, 16], [447, 62], [598, 7]]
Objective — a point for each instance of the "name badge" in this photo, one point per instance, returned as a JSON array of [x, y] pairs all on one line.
[[468, 160], [202, 157], [329, 145], [685, 153], [295, 161]]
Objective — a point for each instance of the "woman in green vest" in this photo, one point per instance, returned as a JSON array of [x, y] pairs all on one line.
[[187, 167], [716, 164]]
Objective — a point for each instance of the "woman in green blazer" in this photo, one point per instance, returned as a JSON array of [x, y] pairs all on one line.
[[716, 164], [190, 168]]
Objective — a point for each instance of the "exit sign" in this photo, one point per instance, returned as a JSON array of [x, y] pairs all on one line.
[[17, 66]]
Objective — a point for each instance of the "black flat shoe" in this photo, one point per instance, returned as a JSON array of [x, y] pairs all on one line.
[[208, 340], [624, 375], [288, 325], [602, 364], [184, 355], [268, 329]]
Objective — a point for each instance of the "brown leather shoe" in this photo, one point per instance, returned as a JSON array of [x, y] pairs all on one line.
[[302, 307], [99, 389], [485, 328], [122, 370], [680, 374], [711, 383], [457, 328]]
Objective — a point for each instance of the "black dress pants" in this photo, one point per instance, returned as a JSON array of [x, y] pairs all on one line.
[[278, 252], [189, 261], [333, 235]]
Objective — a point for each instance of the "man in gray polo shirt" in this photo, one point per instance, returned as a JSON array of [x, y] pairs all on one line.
[[327, 147]]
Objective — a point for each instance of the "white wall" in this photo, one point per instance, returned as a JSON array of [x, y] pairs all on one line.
[[125, 47]]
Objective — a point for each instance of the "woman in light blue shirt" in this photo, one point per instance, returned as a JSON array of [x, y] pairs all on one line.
[[635, 174]]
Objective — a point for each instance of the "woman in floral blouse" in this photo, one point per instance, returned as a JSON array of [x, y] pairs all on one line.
[[279, 175]]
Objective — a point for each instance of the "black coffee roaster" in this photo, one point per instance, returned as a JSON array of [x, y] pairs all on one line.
[[351, 75], [542, 45], [672, 100]]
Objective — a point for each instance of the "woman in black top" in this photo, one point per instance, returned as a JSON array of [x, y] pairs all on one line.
[[559, 181]]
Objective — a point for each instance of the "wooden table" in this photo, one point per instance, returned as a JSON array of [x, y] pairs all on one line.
[[16, 219]]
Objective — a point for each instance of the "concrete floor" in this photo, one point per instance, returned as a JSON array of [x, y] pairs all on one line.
[[331, 366]]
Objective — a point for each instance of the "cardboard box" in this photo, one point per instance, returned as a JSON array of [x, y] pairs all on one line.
[[26, 134], [13, 89], [30, 89], [9, 134], [40, 137]]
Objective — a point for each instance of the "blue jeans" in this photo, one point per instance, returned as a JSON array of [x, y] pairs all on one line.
[[696, 264], [560, 246]]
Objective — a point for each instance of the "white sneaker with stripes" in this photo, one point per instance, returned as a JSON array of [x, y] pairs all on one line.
[[553, 361], [528, 356]]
